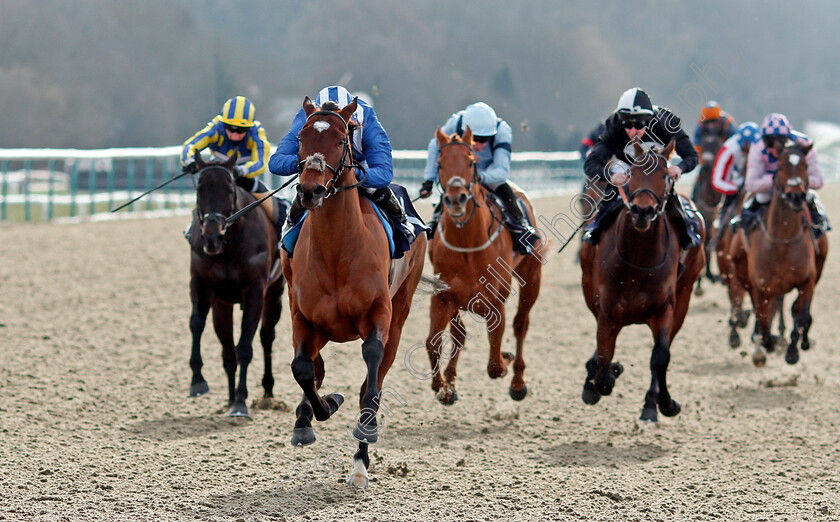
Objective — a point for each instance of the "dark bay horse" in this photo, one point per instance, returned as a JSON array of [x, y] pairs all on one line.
[[704, 195], [780, 255], [229, 264], [472, 253], [339, 287], [633, 276]]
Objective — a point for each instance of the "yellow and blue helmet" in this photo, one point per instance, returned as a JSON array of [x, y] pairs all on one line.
[[239, 112]]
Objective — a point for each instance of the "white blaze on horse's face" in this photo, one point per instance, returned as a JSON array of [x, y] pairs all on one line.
[[794, 159], [321, 126]]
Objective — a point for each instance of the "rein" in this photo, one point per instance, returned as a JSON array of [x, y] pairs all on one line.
[[342, 164]]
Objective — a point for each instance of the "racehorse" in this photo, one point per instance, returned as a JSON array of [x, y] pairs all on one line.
[[704, 195], [232, 263], [634, 275], [780, 255], [472, 253], [338, 276]]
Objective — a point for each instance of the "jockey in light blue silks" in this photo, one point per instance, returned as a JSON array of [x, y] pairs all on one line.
[[371, 149], [491, 146]]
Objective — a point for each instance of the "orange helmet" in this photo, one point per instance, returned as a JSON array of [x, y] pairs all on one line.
[[711, 111]]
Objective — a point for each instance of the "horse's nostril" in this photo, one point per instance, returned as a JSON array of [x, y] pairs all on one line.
[[462, 199], [319, 191], [299, 189], [447, 200]]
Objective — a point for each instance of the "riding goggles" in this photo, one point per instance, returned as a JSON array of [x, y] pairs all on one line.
[[236, 130], [634, 123]]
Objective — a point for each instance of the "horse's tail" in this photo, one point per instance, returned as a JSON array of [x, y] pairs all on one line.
[[431, 285]]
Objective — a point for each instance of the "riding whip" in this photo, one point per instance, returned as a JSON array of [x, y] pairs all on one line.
[[151, 190]]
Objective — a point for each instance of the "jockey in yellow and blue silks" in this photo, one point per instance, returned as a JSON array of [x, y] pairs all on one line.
[[371, 149]]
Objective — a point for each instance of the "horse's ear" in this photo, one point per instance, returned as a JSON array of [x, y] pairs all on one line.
[[232, 160], [468, 136], [308, 107], [669, 149], [638, 151], [441, 137], [349, 109], [778, 148], [807, 149]]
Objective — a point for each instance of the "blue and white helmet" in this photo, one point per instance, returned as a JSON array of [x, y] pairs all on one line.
[[481, 119], [748, 133]]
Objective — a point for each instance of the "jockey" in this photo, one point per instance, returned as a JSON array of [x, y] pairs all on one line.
[[762, 165], [728, 172], [234, 130], [713, 120], [492, 137], [371, 149], [636, 118]]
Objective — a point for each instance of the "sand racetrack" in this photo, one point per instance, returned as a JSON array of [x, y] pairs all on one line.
[[95, 422]]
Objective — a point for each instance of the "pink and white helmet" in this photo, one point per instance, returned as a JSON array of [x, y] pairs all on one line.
[[775, 124]]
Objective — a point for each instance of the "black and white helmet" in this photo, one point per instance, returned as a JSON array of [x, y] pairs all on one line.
[[634, 102]]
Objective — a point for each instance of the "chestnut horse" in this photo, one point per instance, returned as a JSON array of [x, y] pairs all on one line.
[[705, 196], [339, 279], [780, 255], [633, 276], [232, 263], [472, 253]]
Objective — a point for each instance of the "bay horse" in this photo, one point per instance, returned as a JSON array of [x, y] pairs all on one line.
[[472, 253], [780, 255], [705, 197], [229, 264], [339, 288], [633, 276]]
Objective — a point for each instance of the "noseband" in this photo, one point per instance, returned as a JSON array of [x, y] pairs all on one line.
[[661, 201], [317, 162], [209, 217]]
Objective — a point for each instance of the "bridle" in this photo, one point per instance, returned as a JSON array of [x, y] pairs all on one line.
[[661, 201], [457, 181], [795, 181], [317, 162], [209, 217]]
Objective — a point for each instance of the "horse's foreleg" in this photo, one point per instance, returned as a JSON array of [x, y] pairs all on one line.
[[251, 312], [223, 326], [198, 319], [373, 352], [447, 394], [657, 394], [605, 370], [762, 337], [801, 313], [780, 310]]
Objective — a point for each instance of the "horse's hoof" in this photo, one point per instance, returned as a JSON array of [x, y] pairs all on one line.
[[447, 397], [590, 396], [617, 369], [519, 395], [649, 415], [734, 339], [698, 292], [200, 388], [334, 401], [671, 409], [759, 358], [792, 356], [238, 409], [807, 345], [367, 434], [359, 476], [303, 436]]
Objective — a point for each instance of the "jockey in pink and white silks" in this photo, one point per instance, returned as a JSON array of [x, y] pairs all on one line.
[[762, 164]]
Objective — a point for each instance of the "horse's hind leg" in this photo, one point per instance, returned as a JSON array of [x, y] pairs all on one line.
[[441, 313], [801, 313], [272, 308], [763, 338], [223, 325], [198, 320], [527, 298]]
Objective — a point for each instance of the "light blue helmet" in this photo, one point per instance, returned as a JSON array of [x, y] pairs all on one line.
[[481, 119], [748, 133]]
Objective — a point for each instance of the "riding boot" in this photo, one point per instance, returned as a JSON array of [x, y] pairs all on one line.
[[435, 219], [386, 200], [520, 224], [689, 237], [819, 219], [750, 214], [294, 212]]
